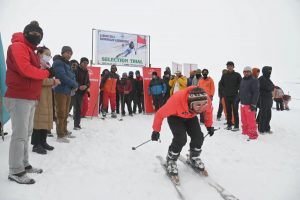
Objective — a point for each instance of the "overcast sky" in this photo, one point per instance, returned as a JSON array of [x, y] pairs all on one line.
[[209, 33]]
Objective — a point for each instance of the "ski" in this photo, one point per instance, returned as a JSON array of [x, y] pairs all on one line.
[[221, 190], [173, 179]]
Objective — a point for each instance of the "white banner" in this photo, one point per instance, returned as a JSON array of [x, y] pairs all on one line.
[[188, 68], [122, 49], [176, 67]]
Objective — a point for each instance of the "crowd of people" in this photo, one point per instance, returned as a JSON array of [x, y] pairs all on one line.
[[39, 95]]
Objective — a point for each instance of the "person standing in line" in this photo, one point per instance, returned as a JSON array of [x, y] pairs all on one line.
[[104, 72], [166, 79], [43, 116], [109, 85], [125, 87], [133, 94], [207, 83], [74, 65], [221, 99], [24, 84], [190, 79], [197, 77], [63, 93], [231, 84], [156, 89], [83, 80], [139, 93], [266, 88], [249, 92], [177, 82]]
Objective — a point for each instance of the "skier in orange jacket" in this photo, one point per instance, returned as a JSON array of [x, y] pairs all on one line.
[[181, 111]]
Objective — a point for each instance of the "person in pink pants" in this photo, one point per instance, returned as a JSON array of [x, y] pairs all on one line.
[[249, 92]]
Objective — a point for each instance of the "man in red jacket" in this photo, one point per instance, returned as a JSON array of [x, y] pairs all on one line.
[[181, 111], [24, 83]]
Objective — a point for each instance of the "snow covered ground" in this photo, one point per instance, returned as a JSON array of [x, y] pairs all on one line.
[[100, 164]]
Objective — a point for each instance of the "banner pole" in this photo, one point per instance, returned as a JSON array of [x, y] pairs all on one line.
[[149, 53], [92, 61]]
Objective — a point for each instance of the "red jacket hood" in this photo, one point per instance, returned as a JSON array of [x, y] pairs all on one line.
[[19, 37]]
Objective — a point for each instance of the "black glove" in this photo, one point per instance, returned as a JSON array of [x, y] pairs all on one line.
[[253, 107], [210, 130], [51, 72], [155, 136], [211, 98]]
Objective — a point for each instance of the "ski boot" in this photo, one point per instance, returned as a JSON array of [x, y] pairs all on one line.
[[171, 166], [195, 160], [103, 114]]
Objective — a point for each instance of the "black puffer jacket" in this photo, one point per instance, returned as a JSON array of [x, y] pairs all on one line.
[[249, 91], [231, 83], [266, 86]]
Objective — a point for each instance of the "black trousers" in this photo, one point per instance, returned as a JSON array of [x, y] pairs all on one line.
[[117, 102], [232, 104], [265, 114], [166, 97], [77, 105], [39, 136], [220, 109], [157, 101], [279, 104], [139, 102], [125, 99], [180, 128], [100, 101]]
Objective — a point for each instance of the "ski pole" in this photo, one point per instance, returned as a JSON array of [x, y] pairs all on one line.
[[134, 148]]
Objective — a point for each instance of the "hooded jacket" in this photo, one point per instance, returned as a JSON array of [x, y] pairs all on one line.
[[177, 105], [23, 76], [266, 86]]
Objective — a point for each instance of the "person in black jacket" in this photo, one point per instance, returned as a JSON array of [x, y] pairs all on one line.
[[231, 84], [221, 96], [265, 100], [132, 94], [83, 80], [249, 92], [166, 79], [139, 86]]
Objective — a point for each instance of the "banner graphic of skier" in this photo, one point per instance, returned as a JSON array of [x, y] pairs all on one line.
[[122, 49]]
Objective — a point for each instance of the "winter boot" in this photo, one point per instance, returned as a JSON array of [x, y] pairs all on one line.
[[30, 169], [195, 159], [39, 149], [47, 146], [171, 163], [103, 114], [113, 114], [21, 178]]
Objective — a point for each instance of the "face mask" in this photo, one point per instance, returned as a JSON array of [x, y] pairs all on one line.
[[204, 76], [33, 39], [198, 76], [154, 76], [46, 58]]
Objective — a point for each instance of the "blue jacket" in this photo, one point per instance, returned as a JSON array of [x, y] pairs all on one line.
[[157, 87], [66, 76]]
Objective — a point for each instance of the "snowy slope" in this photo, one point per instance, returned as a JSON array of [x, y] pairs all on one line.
[[99, 164]]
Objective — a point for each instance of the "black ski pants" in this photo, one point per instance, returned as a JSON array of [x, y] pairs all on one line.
[[77, 105], [220, 109], [139, 102], [157, 101], [265, 114], [39, 136], [232, 103], [182, 127], [126, 99]]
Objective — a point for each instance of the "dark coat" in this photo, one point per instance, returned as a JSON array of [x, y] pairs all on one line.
[[266, 85], [231, 83], [249, 91], [139, 85], [82, 78]]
